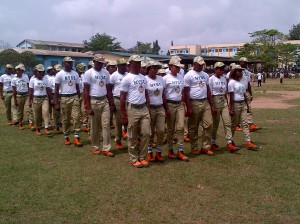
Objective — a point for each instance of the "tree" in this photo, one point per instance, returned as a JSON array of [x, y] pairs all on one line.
[[294, 33], [267, 36], [156, 47], [28, 59], [101, 42], [11, 56], [141, 48], [286, 53]]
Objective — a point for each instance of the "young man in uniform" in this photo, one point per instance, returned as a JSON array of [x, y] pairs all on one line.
[[20, 86], [67, 88], [6, 94], [99, 104], [246, 81], [111, 67], [115, 82], [199, 105], [134, 90]]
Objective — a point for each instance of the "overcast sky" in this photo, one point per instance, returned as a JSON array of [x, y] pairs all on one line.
[[183, 21]]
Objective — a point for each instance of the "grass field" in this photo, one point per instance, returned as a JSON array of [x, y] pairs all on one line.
[[43, 181]]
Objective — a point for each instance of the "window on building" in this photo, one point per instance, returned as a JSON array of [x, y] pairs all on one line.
[[175, 51]]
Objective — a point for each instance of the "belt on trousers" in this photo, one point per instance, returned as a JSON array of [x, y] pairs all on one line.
[[218, 95], [8, 91], [67, 95], [117, 97], [98, 97], [156, 106], [200, 100], [138, 106], [40, 96], [22, 93], [174, 102], [239, 101]]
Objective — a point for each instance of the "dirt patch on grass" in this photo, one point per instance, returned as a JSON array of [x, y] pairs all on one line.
[[279, 102]]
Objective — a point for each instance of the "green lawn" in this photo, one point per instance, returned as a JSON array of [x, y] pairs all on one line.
[[43, 181]]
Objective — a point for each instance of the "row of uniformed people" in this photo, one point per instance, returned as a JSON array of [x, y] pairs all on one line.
[[148, 99]]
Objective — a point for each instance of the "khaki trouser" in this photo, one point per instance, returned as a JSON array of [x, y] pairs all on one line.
[[41, 111], [54, 113], [221, 105], [249, 115], [10, 109], [240, 117], [176, 118], [29, 112], [21, 99], [70, 109], [201, 115], [100, 126], [138, 119], [118, 120], [158, 125], [186, 127]]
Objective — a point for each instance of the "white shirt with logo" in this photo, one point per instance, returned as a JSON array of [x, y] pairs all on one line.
[[20, 83], [217, 85], [67, 81], [51, 80], [174, 87], [134, 86], [155, 88], [246, 78], [6, 81], [237, 88], [180, 73], [259, 76], [39, 86], [197, 81], [97, 81], [116, 80]]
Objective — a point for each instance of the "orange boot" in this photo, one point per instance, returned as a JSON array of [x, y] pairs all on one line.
[[215, 147], [150, 157], [158, 157], [231, 147], [171, 154], [77, 142], [182, 156], [251, 146]]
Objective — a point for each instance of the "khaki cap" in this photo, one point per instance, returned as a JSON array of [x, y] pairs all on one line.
[[39, 68], [175, 60], [165, 66], [143, 64], [91, 63], [58, 67], [237, 67], [232, 64], [112, 63], [8, 66], [199, 60], [153, 63], [99, 58], [244, 59], [20, 66], [161, 71], [121, 61], [135, 57], [80, 67], [68, 59], [219, 65], [49, 67]]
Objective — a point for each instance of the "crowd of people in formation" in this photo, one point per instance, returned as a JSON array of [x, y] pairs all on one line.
[[143, 100]]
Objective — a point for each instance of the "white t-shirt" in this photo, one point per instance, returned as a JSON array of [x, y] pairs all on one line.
[[97, 81], [237, 88], [39, 86], [174, 87], [228, 75], [116, 80], [246, 78], [259, 76], [20, 83], [67, 81], [51, 80], [217, 85], [134, 86], [281, 75], [197, 81], [6, 81], [155, 88], [81, 83]]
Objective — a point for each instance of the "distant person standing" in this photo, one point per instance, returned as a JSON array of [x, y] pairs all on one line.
[[259, 78], [67, 88], [6, 94], [281, 76]]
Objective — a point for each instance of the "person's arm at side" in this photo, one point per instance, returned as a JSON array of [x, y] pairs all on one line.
[[112, 105], [165, 103], [87, 99], [123, 97], [1, 91], [209, 98], [30, 97]]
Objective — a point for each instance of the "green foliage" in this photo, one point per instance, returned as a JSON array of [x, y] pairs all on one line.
[[267, 36], [102, 42], [294, 33], [11, 56], [145, 48]]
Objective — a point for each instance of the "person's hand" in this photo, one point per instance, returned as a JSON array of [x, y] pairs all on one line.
[[251, 98], [231, 112], [189, 112], [248, 110], [16, 103], [112, 108], [168, 113], [213, 110], [30, 104], [90, 111], [57, 106]]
